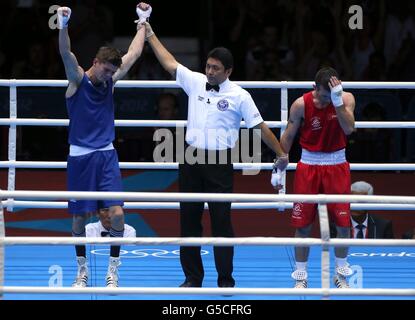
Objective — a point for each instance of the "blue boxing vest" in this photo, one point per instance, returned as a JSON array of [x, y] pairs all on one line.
[[91, 115]]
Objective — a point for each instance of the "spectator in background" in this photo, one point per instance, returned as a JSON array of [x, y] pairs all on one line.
[[167, 108], [366, 225], [91, 27], [23, 20], [3, 66], [36, 65], [400, 25], [403, 67], [318, 52], [148, 67], [364, 47], [371, 144], [103, 226], [376, 69], [264, 62], [409, 234], [236, 26]]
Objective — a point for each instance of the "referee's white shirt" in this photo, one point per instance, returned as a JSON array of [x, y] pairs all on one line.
[[213, 118], [93, 230]]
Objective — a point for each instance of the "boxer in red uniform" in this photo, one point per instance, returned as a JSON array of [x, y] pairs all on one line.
[[324, 117]]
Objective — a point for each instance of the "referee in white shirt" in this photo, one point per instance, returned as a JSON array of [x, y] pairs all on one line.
[[215, 108], [103, 226]]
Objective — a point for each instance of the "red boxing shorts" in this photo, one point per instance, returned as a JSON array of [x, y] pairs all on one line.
[[321, 179]]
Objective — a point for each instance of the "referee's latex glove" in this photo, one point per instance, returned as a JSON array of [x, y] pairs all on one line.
[[64, 14], [281, 162], [143, 12], [149, 30], [276, 179]]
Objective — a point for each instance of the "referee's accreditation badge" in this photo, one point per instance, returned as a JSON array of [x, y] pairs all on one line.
[[223, 105]]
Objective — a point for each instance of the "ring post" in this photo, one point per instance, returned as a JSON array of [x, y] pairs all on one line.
[[325, 249], [2, 235], [12, 141]]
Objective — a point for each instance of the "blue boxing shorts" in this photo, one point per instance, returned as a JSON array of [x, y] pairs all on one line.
[[96, 171]]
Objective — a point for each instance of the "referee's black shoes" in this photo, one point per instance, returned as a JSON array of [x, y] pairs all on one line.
[[190, 284], [226, 284]]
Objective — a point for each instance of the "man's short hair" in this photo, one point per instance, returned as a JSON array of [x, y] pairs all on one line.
[[110, 55], [362, 187], [223, 55], [323, 76]]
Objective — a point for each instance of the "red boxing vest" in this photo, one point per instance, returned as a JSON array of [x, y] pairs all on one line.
[[321, 131]]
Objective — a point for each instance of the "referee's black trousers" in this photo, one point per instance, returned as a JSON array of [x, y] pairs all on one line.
[[209, 178]]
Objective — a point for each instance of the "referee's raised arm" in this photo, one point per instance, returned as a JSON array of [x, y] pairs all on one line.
[[165, 58]]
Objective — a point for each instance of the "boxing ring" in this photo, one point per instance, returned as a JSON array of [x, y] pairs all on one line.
[[44, 267]]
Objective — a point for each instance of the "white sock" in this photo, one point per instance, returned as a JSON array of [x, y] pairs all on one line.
[[341, 262], [301, 265]]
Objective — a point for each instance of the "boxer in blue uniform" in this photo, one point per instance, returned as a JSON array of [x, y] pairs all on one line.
[[93, 161]]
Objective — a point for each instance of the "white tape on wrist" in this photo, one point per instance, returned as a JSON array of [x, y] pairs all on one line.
[[143, 15], [62, 19], [336, 95]]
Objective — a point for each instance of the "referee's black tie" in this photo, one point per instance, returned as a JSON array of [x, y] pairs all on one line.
[[360, 232], [105, 233], [210, 87]]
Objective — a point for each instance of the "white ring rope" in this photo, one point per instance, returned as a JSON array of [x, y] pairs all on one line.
[[207, 241], [213, 291], [244, 84], [205, 197], [176, 205], [175, 165], [183, 123]]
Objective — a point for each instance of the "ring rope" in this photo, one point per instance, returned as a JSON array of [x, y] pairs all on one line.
[[205, 197], [212, 291], [244, 84], [205, 241], [176, 205], [183, 123], [175, 165]]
